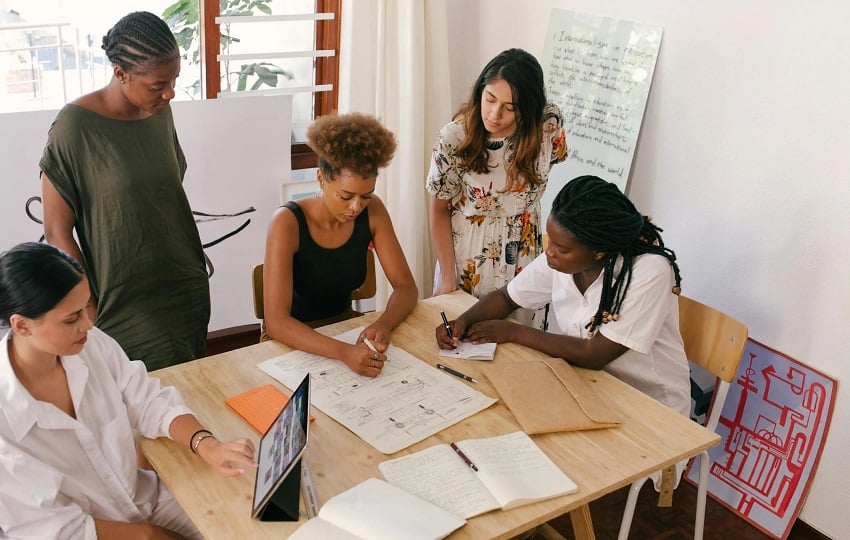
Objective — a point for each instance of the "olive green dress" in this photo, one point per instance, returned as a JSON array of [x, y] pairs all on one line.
[[141, 247]]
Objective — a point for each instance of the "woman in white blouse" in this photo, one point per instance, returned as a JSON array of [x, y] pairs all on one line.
[[70, 401], [612, 287]]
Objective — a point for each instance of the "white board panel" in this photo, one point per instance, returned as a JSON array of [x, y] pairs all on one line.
[[599, 71]]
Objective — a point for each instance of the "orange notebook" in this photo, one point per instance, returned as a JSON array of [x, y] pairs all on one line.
[[259, 406]]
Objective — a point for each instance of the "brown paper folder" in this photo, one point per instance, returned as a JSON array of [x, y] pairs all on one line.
[[549, 395]]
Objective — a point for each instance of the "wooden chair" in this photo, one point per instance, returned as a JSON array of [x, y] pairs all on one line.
[[366, 290], [714, 341]]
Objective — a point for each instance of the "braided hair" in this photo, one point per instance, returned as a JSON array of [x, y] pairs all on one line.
[[138, 39], [605, 220]]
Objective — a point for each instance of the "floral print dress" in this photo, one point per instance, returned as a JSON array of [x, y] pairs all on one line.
[[495, 233]]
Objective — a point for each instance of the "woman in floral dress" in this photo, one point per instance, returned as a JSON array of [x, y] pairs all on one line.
[[488, 172]]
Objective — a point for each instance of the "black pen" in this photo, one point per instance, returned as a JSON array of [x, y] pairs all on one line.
[[456, 373], [463, 457], [447, 325]]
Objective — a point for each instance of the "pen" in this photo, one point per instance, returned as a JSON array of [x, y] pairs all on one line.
[[456, 373], [446, 324], [463, 457], [308, 491], [372, 347]]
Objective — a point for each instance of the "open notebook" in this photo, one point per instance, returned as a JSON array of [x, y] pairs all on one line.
[[512, 471], [375, 510]]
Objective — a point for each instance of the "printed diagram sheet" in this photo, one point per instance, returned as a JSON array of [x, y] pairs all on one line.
[[408, 402]]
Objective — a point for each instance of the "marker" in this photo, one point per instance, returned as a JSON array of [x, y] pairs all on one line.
[[456, 373], [446, 324], [463, 457]]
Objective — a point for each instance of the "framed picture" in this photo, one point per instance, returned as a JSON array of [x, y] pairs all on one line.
[[292, 191]]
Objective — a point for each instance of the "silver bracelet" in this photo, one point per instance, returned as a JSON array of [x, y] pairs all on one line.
[[200, 438]]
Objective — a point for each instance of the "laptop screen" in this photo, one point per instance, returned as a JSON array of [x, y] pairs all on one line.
[[282, 445]]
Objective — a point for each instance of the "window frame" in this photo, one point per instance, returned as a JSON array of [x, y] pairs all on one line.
[[326, 68]]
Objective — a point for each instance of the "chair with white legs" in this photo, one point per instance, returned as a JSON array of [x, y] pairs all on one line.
[[714, 341]]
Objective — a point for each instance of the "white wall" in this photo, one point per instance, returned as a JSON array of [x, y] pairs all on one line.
[[744, 159]]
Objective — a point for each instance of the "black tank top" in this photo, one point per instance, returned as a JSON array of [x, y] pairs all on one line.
[[322, 278]]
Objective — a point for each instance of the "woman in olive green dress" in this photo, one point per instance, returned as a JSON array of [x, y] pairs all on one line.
[[112, 173]]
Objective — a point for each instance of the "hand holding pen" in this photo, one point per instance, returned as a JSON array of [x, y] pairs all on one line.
[[448, 333]]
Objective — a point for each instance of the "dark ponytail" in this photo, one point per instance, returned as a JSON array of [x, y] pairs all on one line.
[[34, 278]]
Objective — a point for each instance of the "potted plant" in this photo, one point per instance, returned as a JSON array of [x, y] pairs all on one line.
[[183, 18]]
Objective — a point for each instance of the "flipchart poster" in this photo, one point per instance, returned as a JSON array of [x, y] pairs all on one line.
[[598, 70]]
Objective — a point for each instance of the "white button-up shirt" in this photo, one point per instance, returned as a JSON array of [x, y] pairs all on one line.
[[648, 325], [58, 473]]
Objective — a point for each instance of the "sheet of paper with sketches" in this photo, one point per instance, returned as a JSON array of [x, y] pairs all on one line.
[[409, 401], [471, 351]]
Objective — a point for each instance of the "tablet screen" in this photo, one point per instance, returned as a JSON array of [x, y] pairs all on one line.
[[282, 445]]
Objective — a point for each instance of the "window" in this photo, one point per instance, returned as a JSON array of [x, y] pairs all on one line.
[[291, 46], [50, 52]]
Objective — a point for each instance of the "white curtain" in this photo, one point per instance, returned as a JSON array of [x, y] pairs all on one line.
[[394, 65]]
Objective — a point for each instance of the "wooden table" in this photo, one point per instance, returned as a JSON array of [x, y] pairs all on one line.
[[650, 438]]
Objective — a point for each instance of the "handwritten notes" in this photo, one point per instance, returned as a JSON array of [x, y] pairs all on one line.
[[471, 351], [598, 70], [408, 402]]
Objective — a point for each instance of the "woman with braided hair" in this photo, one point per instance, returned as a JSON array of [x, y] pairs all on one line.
[[112, 171], [613, 288]]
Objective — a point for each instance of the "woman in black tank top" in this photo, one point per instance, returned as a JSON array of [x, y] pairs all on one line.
[[316, 248]]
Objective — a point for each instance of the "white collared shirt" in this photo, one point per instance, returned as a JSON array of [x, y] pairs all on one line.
[[58, 473], [648, 325]]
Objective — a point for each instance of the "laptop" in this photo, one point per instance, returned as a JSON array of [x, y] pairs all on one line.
[[282, 446]]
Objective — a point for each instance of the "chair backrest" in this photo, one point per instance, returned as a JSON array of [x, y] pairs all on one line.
[[714, 341], [257, 287], [366, 290]]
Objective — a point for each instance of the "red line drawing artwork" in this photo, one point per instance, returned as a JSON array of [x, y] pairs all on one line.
[[773, 427]]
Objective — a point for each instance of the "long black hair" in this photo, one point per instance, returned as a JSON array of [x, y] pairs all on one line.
[[523, 73], [34, 278], [604, 219]]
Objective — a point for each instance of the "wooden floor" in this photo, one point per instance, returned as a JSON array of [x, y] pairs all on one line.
[[674, 523]]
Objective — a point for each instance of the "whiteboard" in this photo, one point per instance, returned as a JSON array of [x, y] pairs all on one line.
[[598, 70], [238, 151]]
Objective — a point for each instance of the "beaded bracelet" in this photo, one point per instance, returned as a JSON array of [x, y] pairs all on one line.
[[193, 444]]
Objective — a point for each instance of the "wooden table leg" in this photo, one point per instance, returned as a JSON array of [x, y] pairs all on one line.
[[582, 523]]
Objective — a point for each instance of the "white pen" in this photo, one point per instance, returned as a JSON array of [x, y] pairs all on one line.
[[308, 491], [372, 347]]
